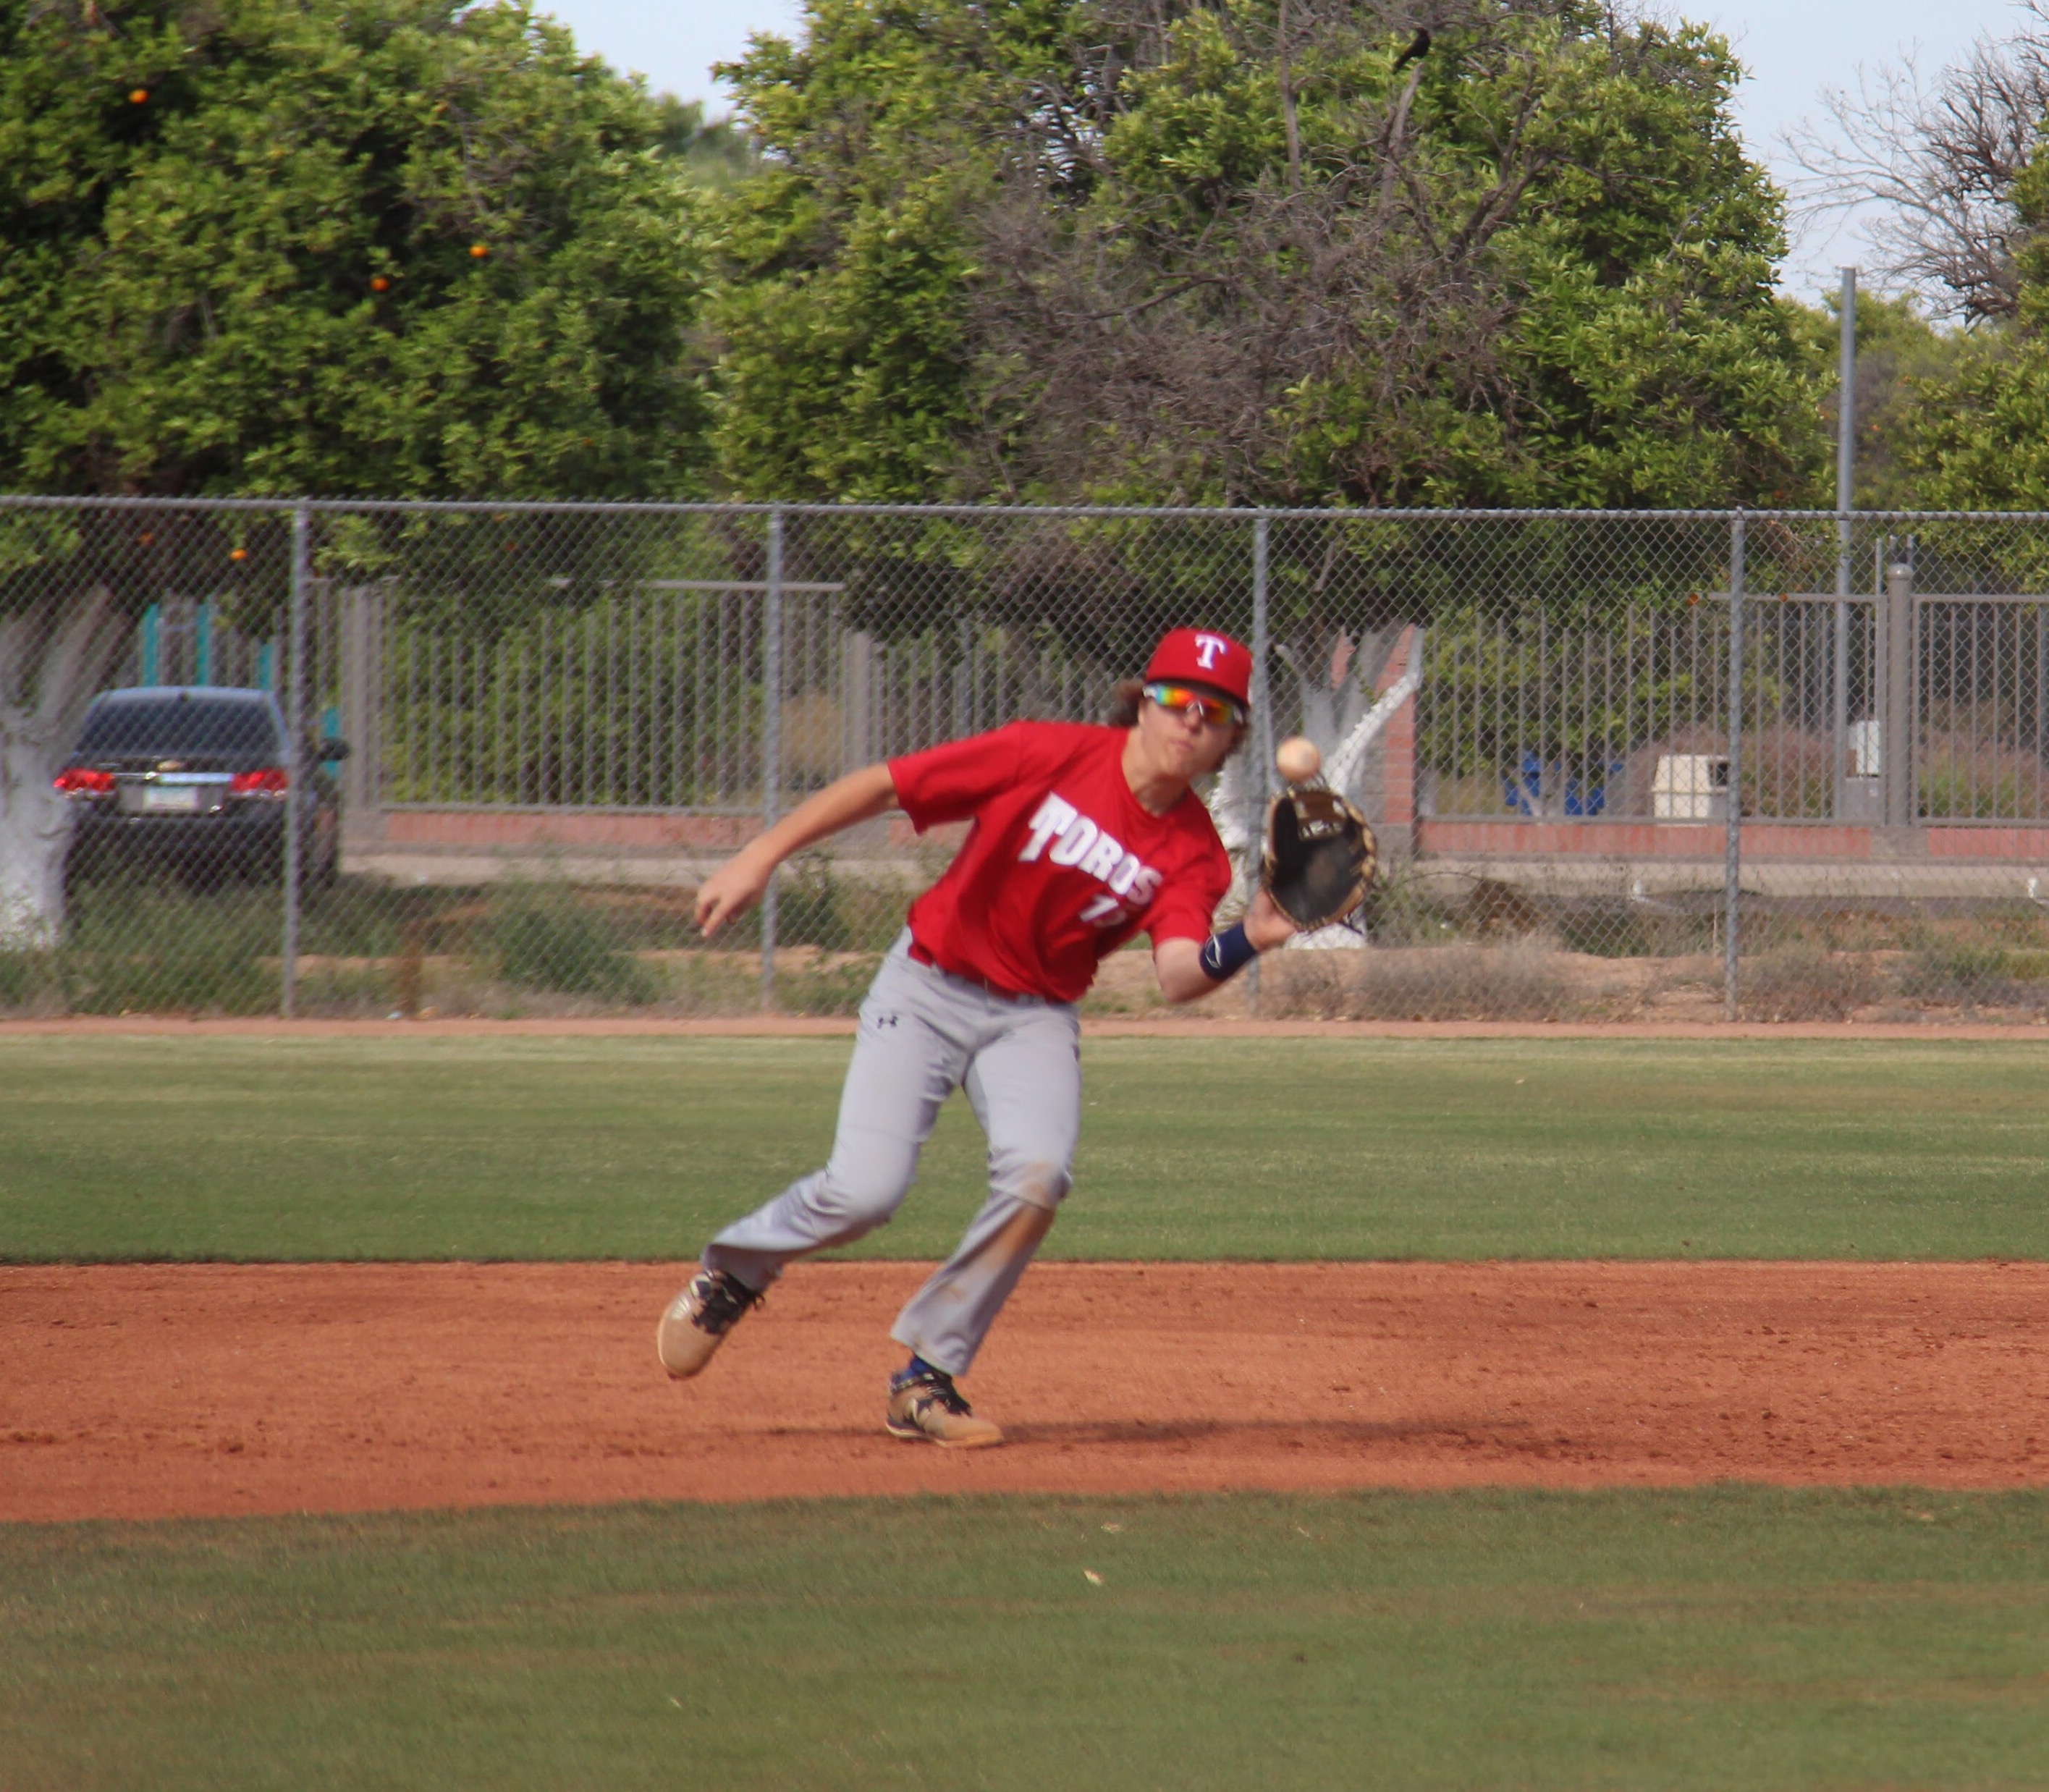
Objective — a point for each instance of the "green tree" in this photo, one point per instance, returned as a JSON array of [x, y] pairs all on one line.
[[1977, 437], [1260, 251], [716, 152], [400, 247], [1899, 352], [391, 246], [841, 325]]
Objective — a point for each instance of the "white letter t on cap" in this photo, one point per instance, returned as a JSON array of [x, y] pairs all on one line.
[[1207, 648]]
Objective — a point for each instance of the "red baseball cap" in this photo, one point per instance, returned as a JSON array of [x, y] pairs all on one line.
[[1202, 656]]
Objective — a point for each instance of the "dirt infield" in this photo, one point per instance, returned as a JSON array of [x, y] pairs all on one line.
[[161, 1390]]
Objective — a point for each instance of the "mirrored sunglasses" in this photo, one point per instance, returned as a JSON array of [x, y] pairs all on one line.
[[1220, 712]]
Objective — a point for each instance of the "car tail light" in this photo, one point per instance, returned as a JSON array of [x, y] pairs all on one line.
[[80, 780], [271, 781]]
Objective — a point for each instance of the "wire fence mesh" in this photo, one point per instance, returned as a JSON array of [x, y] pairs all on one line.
[[373, 759]]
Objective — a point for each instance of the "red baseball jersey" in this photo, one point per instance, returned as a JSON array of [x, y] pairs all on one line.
[[1062, 865]]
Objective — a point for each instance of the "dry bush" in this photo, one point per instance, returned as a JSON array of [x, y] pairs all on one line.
[[1307, 985], [1972, 973], [1518, 982], [1497, 908], [1803, 982], [1789, 772], [1965, 776]]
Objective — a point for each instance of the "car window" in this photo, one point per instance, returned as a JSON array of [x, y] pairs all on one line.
[[179, 725]]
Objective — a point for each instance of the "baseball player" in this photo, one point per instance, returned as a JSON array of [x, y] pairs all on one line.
[[1083, 837]]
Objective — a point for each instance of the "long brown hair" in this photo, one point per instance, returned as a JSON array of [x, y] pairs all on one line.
[[1125, 695]]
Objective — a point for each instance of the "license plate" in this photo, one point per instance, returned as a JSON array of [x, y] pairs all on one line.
[[170, 800]]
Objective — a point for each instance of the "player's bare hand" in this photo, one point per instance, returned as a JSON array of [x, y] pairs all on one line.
[[731, 890], [1264, 924]]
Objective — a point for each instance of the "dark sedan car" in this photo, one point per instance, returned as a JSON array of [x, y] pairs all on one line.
[[191, 779]]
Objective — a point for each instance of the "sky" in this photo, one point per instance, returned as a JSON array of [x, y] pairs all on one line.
[[1794, 49]]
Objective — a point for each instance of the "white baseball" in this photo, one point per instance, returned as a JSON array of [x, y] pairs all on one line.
[[1298, 759]]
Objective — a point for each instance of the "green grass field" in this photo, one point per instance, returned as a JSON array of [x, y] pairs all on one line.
[[1711, 1638], [638, 1147], [1722, 1637]]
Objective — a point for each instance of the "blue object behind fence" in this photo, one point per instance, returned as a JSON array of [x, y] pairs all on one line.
[[1524, 794], [1524, 791]]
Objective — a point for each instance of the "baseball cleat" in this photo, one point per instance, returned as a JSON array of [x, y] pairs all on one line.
[[698, 1319], [928, 1407]]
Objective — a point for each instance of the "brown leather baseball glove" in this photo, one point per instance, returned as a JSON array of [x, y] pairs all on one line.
[[1321, 859]]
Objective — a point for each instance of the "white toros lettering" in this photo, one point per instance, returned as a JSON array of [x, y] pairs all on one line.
[[1105, 857], [1075, 839], [1209, 650], [1055, 815], [1062, 834]]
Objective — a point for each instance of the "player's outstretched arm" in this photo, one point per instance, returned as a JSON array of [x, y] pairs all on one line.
[[738, 884], [1187, 969]]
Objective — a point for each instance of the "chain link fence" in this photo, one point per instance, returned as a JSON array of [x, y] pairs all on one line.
[[462, 759]]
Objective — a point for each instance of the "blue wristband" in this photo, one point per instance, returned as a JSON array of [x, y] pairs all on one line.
[[1225, 955]]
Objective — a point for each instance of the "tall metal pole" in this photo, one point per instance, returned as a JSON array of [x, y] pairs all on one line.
[[1733, 841], [771, 739], [1846, 503], [295, 756], [1896, 732], [1259, 788]]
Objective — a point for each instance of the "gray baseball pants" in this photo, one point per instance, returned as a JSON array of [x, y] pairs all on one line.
[[922, 1035]]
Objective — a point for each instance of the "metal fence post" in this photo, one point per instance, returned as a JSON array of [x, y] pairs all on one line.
[[1259, 788], [150, 672], [203, 644], [1733, 841], [1895, 736], [295, 756], [361, 786], [1845, 501], [771, 739]]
